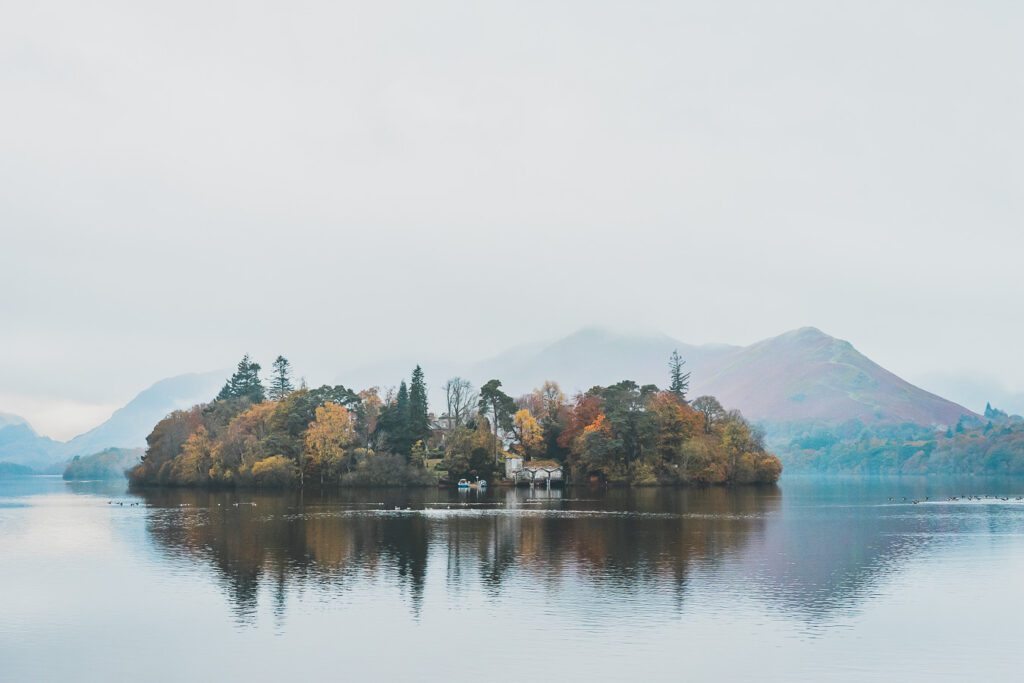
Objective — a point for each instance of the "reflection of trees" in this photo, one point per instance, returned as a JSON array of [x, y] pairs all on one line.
[[331, 542], [820, 548]]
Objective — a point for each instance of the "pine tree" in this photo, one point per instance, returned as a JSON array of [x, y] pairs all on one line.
[[679, 380], [281, 381], [399, 439], [419, 421], [245, 383]]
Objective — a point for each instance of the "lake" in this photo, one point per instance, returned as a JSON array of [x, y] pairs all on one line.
[[816, 578]]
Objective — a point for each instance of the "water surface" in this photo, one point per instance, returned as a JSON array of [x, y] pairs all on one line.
[[815, 578]]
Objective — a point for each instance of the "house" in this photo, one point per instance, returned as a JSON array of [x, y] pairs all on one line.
[[547, 472]]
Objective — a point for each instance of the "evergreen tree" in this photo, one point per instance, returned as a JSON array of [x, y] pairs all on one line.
[[991, 412], [419, 422], [394, 423], [679, 381], [281, 381], [245, 383], [499, 405]]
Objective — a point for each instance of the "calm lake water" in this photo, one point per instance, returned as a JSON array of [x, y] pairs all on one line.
[[814, 579]]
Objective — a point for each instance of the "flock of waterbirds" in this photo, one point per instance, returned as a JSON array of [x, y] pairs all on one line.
[[958, 499], [449, 506], [397, 508]]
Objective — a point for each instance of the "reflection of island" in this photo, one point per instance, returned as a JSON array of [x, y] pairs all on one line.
[[632, 538], [642, 544]]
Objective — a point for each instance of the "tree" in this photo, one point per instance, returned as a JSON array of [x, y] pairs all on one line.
[[393, 423], [419, 420], [625, 407], [368, 415], [459, 400], [281, 379], [553, 416], [192, 467], [679, 381], [245, 383], [244, 442], [711, 409], [328, 437], [468, 453], [499, 405], [528, 433], [676, 423], [991, 412], [595, 449]]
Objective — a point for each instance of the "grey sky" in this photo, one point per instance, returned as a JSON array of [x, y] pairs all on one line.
[[183, 182]]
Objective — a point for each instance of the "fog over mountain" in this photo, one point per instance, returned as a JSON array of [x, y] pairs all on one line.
[[367, 180]]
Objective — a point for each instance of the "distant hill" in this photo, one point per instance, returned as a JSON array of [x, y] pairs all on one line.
[[8, 420], [110, 463], [20, 444], [129, 426], [9, 469], [802, 375], [595, 356], [808, 375], [126, 428]]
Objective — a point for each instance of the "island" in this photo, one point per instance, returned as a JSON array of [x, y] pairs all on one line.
[[281, 436], [110, 463]]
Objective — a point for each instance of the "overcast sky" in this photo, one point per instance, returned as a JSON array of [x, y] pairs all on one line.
[[345, 181]]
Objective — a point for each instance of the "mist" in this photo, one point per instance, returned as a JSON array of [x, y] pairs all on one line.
[[347, 183]]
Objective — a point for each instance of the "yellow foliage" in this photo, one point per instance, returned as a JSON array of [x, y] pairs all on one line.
[[528, 432], [328, 437]]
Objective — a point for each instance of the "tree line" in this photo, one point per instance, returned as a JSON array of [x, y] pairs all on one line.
[[275, 434]]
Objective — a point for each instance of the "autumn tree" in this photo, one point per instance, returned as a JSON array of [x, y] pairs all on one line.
[[244, 442], [528, 433], [468, 453], [711, 409], [281, 379], [368, 415], [552, 416], [596, 449], [586, 409], [679, 381], [192, 466], [327, 439], [675, 424]]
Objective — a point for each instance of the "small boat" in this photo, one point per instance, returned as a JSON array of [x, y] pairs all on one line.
[[463, 484], [481, 484]]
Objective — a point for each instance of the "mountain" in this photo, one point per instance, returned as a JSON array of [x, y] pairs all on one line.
[[20, 444], [7, 420], [802, 375], [594, 356], [126, 428], [129, 426], [808, 375]]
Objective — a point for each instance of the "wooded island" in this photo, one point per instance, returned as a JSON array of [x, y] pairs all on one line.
[[286, 437]]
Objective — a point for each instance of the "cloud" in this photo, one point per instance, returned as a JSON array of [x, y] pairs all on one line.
[[343, 182]]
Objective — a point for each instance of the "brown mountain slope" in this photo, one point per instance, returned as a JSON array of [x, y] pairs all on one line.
[[808, 375]]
